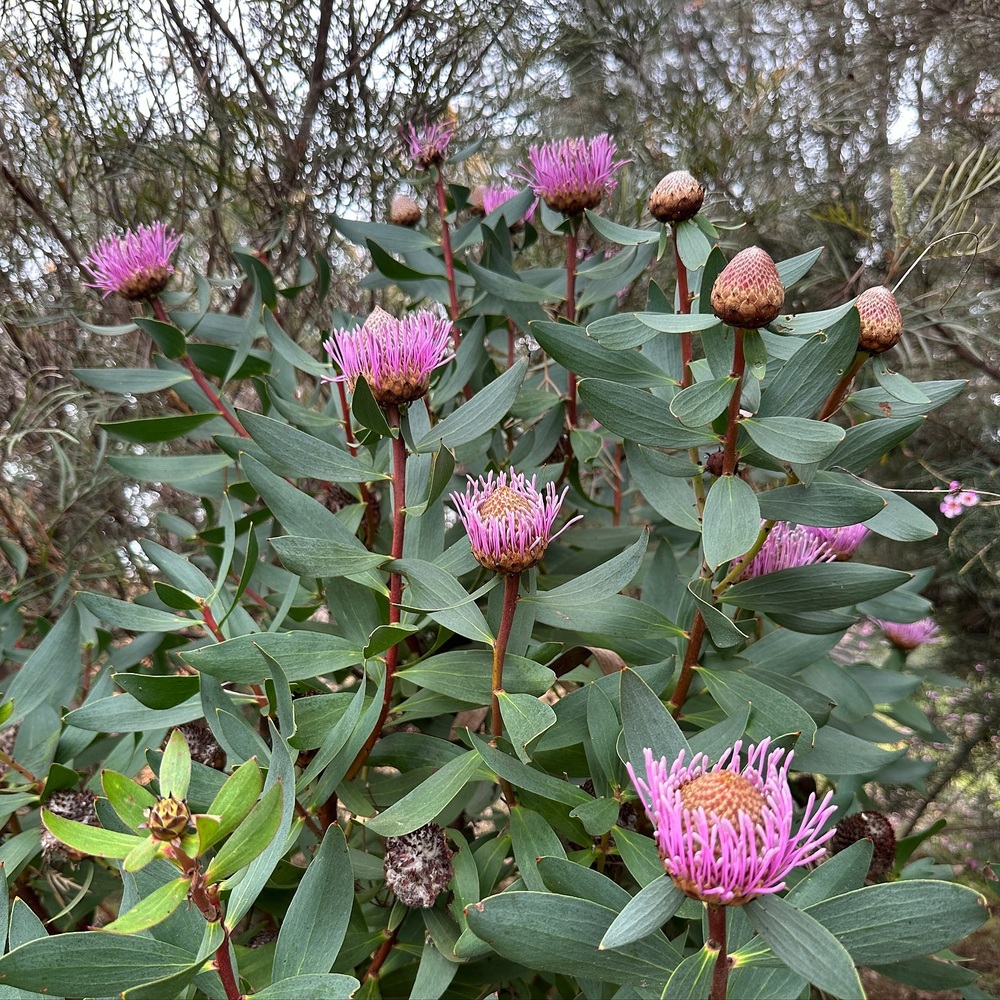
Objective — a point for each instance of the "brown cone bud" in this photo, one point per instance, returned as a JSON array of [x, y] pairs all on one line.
[[404, 211], [748, 293], [168, 819], [881, 320], [873, 826], [418, 866], [677, 197]]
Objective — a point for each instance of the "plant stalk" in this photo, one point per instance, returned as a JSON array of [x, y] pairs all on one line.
[[510, 597], [732, 427], [836, 398], [695, 637], [224, 966], [684, 307], [717, 941], [449, 259], [571, 245]]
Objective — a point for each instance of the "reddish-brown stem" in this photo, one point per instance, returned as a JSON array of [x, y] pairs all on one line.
[[836, 398], [683, 306], [571, 315], [206, 387], [352, 444], [26, 774], [511, 339], [695, 637], [380, 956], [224, 966], [449, 260], [717, 941], [308, 820], [510, 589], [732, 427], [617, 515], [395, 582]]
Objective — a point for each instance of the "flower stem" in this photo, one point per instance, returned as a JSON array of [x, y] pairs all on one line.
[[381, 955], [510, 589], [695, 637], [739, 364], [206, 387], [717, 942], [571, 313], [395, 582], [836, 398], [224, 966], [737, 571], [449, 259], [683, 306], [371, 526]]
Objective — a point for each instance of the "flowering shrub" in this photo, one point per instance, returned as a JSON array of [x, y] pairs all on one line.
[[486, 672]]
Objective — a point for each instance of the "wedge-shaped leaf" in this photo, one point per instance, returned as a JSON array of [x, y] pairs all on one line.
[[701, 403], [823, 586], [896, 921], [929, 974], [731, 521], [671, 496], [329, 985], [639, 416], [175, 767], [724, 631], [805, 946], [250, 838], [158, 691], [90, 840], [844, 872], [898, 386], [600, 582], [236, 798], [153, 909], [864, 444], [480, 414], [394, 239], [900, 520], [168, 468], [551, 933], [128, 798], [466, 674], [421, 805], [880, 403], [837, 752], [123, 714], [616, 617], [436, 591], [522, 776], [524, 718], [794, 439], [823, 504], [324, 557], [316, 921], [149, 429], [802, 323], [134, 617], [622, 235], [692, 979], [133, 381], [647, 912], [510, 289], [85, 963], [646, 724], [796, 268], [693, 245]]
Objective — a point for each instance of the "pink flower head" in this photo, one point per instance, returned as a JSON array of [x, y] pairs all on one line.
[[844, 541], [495, 195], [957, 500], [394, 356], [574, 174], [725, 831], [136, 265], [909, 636], [428, 146], [508, 520], [788, 546]]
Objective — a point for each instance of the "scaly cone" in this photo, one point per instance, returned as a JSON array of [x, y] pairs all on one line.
[[676, 198], [881, 320], [748, 292]]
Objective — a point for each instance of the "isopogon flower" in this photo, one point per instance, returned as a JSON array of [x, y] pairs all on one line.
[[494, 195], [574, 174], [788, 546], [394, 356], [508, 520], [844, 540], [137, 265], [909, 635], [428, 146], [725, 832]]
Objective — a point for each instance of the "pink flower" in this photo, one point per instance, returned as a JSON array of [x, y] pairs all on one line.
[[573, 175], [725, 832], [844, 540], [428, 146], [968, 498], [495, 195], [957, 500], [788, 546], [909, 636], [136, 265], [508, 520], [394, 356]]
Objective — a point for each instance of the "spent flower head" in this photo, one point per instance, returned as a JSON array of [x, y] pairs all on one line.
[[428, 145], [910, 635], [726, 832], [418, 866], [137, 265], [787, 546], [509, 520], [394, 356], [573, 174]]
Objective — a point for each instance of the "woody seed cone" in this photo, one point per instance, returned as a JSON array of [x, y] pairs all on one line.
[[748, 292], [677, 197], [881, 320], [404, 211]]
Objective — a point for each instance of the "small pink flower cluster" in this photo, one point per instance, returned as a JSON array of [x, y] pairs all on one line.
[[957, 500]]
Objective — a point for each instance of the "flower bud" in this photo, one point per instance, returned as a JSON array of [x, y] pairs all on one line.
[[168, 819], [404, 211], [418, 866], [677, 197], [873, 826], [881, 320], [748, 292]]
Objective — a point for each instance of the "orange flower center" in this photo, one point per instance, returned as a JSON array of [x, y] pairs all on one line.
[[503, 501], [726, 794]]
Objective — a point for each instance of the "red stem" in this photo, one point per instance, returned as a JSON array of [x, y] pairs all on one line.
[[449, 260], [213, 626], [739, 363], [380, 956], [717, 940], [836, 398], [224, 966], [695, 637], [395, 582], [571, 243], [510, 589], [683, 306], [511, 338]]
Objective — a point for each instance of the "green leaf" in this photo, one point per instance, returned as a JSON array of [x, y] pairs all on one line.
[[898, 386], [865, 443], [524, 718], [480, 414], [166, 336], [647, 912], [170, 468], [837, 752], [509, 289], [131, 381], [693, 246], [123, 714], [324, 557], [250, 838], [900, 520], [616, 616], [731, 521], [628, 330], [823, 504], [692, 979], [647, 724], [794, 439], [150, 429], [701, 403], [930, 974], [394, 239], [522, 776], [466, 674], [599, 583], [639, 416], [844, 872], [671, 496], [436, 591], [552, 933], [329, 985], [880, 403], [85, 963], [90, 840], [428, 799], [803, 323], [236, 797], [622, 235], [175, 767], [316, 920], [805, 946], [127, 798], [795, 268], [724, 631], [158, 691], [134, 617], [823, 586], [152, 910]]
